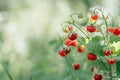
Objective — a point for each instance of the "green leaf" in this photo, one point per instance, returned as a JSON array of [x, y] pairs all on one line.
[[118, 68], [114, 38], [52, 42], [116, 46], [95, 47], [101, 64], [117, 53], [96, 38]]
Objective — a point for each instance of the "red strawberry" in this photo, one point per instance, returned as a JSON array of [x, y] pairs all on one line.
[[76, 66], [81, 48], [74, 43], [111, 61], [91, 56], [61, 53], [67, 51], [108, 52], [73, 36], [110, 29], [98, 77], [67, 42], [117, 31], [91, 29], [94, 17]]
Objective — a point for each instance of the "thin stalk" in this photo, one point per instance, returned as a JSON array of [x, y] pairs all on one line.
[[104, 18], [112, 20], [110, 68], [69, 64], [107, 42], [74, 70], [81, 30], [103, 63], [106, 24], [73, 23], [9, 75]]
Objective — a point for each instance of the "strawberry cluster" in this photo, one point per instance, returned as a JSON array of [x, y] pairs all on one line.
[[110, 60], [91, 27], [72, 41]]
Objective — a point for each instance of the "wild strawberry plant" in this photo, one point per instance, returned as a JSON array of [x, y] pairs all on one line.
[[96, 37]]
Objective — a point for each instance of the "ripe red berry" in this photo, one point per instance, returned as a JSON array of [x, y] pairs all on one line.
[[94, 17], [67, 42], [98, 77], [108, 52], [91, 29], [81, 48], [111, 61], [74, 43], [91, 56], [61, 53], [67, 50], [73, 36], [111, 29], [76, 66], [117, 31]]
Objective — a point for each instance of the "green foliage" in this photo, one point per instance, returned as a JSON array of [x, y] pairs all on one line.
[[118, 68], [95, 46], [43, 60], [117, 53], [7, 72], [114, 38], [56, 44]]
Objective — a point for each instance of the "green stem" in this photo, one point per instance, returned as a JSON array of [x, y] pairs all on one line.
[[104, 18], [81, 30], [107, 42], [103, 63], [107, 36], [70, 60], [73, 23], [112, 20], [110, 69], [9, 75], [70, 66]]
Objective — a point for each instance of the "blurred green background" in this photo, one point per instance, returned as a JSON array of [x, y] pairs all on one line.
[[29, 30]]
